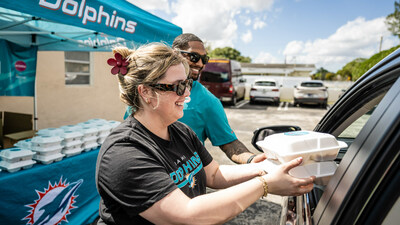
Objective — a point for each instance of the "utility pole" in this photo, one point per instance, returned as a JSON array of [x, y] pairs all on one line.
[[380, 44]]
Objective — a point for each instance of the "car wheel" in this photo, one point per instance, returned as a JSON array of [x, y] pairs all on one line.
[[234, 100], [251, 102], [277, 103], [325, 104]]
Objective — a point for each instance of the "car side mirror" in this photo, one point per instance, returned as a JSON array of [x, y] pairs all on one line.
[[260, 133], [295, 86], [242, 80]]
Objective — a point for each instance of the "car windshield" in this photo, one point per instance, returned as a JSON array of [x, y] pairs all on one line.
[[265, 83], [217, 77], [311, 84]]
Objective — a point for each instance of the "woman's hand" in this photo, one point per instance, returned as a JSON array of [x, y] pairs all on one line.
[[281, 183]]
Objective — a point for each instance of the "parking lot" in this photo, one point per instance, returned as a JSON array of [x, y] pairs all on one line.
[[244, 119]]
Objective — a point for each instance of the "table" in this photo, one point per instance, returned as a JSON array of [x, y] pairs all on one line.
[[61, 192]]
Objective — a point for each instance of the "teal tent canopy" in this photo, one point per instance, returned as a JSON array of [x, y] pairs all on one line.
[[73, 25], [28, 26]]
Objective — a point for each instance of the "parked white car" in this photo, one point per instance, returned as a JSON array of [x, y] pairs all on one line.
[[265, 90], [311, 92]]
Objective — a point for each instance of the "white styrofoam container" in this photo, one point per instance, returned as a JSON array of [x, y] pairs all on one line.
[[323, 171], [50, 132], [47, 159], [48, 151], [72, 152], [71, 128], [87, 146], [14, 167], [71, 136], [89, 131], [39, 142], [312, 146], [24, 144], [97, 121], [13, 155], [113, 124]]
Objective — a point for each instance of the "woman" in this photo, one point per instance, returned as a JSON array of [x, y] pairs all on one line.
[[154, 170]]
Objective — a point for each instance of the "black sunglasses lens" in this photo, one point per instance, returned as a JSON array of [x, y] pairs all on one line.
[[194, 57], [205, 59]]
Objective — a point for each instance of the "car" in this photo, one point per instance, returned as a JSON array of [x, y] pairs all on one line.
[[364, 189], [223, 78], [266, 90], [311, 92]]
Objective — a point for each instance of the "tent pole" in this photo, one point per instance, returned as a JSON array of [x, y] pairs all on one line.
[[35, 107]]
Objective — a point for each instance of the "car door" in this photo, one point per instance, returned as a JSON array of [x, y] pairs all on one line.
[[367, 118]]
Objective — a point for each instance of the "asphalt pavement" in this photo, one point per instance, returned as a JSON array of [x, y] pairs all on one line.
[[244, 119]]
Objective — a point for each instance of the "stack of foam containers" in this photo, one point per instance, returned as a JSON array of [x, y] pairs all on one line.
[[15, 159], [72, 140], [90, 134], [113, 124], [103, 127], [47, 145]]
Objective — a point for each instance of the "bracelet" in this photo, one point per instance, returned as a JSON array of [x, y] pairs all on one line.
[[265, 185], [250, 159]]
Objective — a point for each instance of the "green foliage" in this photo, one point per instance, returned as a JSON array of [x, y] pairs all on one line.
[[393, 20], [322, 74], [364, 66], [348, 70], [228, 53]]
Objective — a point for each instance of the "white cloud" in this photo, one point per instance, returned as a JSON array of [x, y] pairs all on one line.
[[215, 21], [265, 57], [258, 24], [151, 4], [247, 37], [357, 38]]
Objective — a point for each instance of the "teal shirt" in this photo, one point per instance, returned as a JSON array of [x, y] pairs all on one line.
[[206, 116]]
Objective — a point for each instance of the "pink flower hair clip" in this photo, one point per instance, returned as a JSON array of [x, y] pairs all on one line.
[[119, 64]]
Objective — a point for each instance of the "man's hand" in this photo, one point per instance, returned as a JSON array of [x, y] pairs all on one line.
[[238, 153], [259, 158]]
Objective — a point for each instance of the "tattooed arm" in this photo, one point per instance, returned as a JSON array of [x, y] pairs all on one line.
[[238, 153]]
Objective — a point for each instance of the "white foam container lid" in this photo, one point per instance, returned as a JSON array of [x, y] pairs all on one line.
[[50, 132], [46, 139], [13, 154], [24, 144], [312, 146]]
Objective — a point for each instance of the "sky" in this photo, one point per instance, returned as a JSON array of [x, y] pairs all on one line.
[[327, 33]]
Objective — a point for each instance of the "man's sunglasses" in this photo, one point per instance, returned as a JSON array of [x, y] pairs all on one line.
[[195, 57], [178, 88]]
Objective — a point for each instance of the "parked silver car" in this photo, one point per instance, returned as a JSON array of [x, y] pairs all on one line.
[[311, 92], [266, 90]]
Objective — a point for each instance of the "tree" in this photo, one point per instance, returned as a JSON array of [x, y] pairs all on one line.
[[320, 74], [349, 69], [229, 53], [393, 20], [369, 63]]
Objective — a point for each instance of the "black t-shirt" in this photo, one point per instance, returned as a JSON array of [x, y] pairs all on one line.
[[135, 168]]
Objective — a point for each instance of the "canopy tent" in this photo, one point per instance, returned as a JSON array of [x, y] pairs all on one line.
[[71, 25], [68, 25]]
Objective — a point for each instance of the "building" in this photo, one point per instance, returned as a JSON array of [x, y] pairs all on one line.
[[291, 70]]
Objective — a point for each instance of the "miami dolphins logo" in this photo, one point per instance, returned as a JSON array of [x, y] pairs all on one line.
[[54, 203], [191, 180]]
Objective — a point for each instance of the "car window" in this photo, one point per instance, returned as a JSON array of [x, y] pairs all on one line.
[[265, 83], [311, 84], [352, 126], [217, 77]]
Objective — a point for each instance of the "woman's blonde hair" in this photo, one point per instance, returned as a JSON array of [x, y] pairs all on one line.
[[147, 65]]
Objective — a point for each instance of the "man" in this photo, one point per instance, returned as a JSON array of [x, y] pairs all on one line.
[[205, 113]]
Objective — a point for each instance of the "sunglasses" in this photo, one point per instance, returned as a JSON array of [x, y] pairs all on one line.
[[195, 57], [179, 88]]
